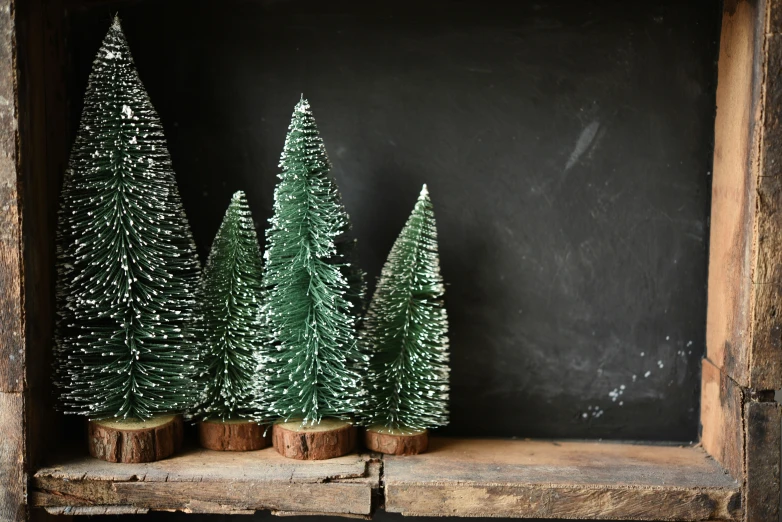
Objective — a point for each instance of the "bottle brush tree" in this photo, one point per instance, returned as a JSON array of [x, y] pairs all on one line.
[[229, 328], [405, 332], [312, 357], [127, 264]]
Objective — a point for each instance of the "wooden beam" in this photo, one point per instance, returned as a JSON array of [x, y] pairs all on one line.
[[204, 481], [13, 476], [744, 319], [740, 422], [763, 421], [12, 353], [722, 419], [13, 479], [765, 349], [571, 480], [733, 185]]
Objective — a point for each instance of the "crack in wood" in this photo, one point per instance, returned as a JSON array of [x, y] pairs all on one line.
[[96, 510]]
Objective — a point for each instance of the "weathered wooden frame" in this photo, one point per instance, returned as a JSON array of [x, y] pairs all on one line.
[[732, 475]]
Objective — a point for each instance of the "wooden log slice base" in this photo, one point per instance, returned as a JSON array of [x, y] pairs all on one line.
[[331, 438], [135, 441], [396, 442], [231, 435]]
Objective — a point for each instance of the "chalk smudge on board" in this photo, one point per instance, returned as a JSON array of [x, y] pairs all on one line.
[[583, 143], [595, 411]]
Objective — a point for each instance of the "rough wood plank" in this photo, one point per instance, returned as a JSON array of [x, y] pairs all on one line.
[[203, 481], [315, 514], [764, 437], [217, 497], [196, 464], [13, 479], [765, 354], [11, 338], [13, 476], [744, 326], [542, 501], [540, 479], [721, 419], [210, 497], [733, 186], [96, 510], [765, 364]]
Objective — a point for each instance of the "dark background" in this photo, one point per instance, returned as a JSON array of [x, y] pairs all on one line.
[[567, 146]]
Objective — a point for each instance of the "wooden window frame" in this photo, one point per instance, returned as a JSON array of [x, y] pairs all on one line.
[[733, 474]]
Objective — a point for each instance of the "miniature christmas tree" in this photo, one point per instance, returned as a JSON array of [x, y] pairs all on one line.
[[405, 335], [313, 357], [127, 266], [230, 335], [229, 323]]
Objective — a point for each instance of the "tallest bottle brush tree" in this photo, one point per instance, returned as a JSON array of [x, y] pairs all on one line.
[[312, 360], [127, 271]]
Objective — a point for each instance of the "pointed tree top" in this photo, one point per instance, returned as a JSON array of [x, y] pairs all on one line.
[[238, 196], [303, 105], [115, 46], [424, 192]]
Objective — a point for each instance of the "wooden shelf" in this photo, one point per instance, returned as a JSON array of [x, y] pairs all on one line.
[[571, 480], [205, 481], [458, 477]]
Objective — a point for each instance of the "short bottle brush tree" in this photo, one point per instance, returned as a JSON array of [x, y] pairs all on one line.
[[312, 357], [230, 336], [127, 267], [405, 335]]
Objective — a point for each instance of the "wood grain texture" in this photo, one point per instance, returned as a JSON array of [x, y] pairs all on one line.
[[396, 444], [13, 476], [231, 436], [733, 187], [721, 419], [95, 510], [204, 481], [764, 437], [540, 479], [315, 514], [12, 355], [135, 442], [744, 324], [765, 364], [13, 479], [329, 439]]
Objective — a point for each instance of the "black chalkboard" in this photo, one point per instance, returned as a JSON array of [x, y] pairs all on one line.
[[566, 143]]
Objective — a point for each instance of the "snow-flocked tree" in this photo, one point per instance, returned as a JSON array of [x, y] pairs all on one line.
[[312, 357], [405, 332], [229, 328], [127, 264]]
